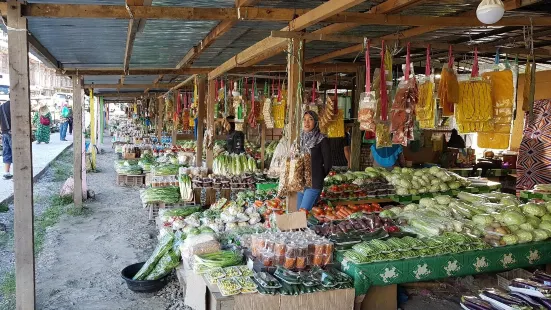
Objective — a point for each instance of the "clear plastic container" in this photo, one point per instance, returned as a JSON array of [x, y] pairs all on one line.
[[279, 260], [301, 262], [279, 248], [292, 250], [267, 259], [328, 248], [317, 260], [290, 262], [327, 259], [319, 248]]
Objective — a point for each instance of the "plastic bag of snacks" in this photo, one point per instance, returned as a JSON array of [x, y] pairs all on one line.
[[296, 174], [382, 135]]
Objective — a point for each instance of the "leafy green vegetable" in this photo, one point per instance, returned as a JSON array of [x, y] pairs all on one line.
[[513, 218], [534, 209], [162, 248]]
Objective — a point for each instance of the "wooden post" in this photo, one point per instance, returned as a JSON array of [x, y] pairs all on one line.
[[201, 107], [210, 120], [262, 145], [77, 141], [295, 58], [93, 128], [20, 108], [356, 136], [160, 116], [174, 122]]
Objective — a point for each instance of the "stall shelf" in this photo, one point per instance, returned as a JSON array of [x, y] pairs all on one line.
[[527, 195]]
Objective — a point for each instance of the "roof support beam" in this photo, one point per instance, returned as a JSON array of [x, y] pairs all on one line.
[[42, 52], [389, 6], [509, 5], [216, 32], [344, 67], [131, 86], [312, 17]]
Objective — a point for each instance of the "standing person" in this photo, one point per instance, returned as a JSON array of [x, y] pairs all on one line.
[[42, 121], [64, 122], [5, 128], [235, 141], [317, 144], [70, 120]]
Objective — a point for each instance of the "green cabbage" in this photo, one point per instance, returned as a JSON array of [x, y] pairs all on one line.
[[548, 206], [546, 225], [387, 214], [534, 209], [483, 219], [524, 236], [546, 217], [427, 202], [411, 207], [510, 239], [443, 199], [513, 218], [533, 220], [454, 185], [513, 228], [527, 226], [540, 234]]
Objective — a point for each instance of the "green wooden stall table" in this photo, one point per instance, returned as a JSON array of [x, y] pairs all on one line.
[[445, 266]]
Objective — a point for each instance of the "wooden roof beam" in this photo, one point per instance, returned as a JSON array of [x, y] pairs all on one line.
[[389, 6], [131, 86], [509, 5], [42, 52], [312, 17]]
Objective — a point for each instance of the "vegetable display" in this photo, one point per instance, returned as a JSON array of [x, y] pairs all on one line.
[[161, 261], [408, 181], [206, 262], [233, 165], [169, 195]]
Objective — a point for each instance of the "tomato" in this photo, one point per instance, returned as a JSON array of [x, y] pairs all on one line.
[[279, 212], [332, 172], [317, 211]]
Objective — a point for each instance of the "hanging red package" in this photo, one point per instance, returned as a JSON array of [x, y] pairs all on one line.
[[408, 62], [279, 89], [367, 69], [384, 95]]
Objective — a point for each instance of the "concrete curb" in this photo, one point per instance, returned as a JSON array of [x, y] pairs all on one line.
[[37, 177]]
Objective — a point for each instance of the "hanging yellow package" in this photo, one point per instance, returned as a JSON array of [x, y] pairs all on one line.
[[448, 91], [424, 110], [335, 129], [503, 101], [474, 111]]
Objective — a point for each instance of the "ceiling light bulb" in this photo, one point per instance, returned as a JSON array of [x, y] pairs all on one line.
[[490, 11]]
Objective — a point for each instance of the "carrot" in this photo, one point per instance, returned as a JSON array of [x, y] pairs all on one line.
[[341, 214]]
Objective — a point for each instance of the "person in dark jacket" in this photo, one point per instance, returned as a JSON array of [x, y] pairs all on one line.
[[5, 129], [317, 144], [235, 141]]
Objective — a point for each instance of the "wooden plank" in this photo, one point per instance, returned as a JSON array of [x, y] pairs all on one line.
[[210, 119], [77, 141], [130, 37], [394, 6], [132, 86], [295, 77], [180, 85], [93, 128], [190, 55], [41, 52], [312, 17], [174, 124], [20, 109], [380, 298], [150, 71], [201, 109], [356, 135]]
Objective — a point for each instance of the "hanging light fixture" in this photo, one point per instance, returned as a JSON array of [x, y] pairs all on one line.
[[490, 11]]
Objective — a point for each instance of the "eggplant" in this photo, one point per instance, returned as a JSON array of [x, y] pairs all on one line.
[[500, 299], [539, 279], [542, 277], [475, 303], [545, 302], [531, 288], [531, 301]]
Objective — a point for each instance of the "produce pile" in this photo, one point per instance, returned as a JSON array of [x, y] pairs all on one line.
[[128, 167], [163, 260], [286, 282], [233, 165], [292, 250], [356, 185], [146, 161], [522, 294], [326, 212], [232, 280], [377, 250], [497, 217], [408, 181], [168, 195]]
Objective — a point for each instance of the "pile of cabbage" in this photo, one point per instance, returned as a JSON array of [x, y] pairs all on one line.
[[233, 215], [233, 165], [499, 218], [408, 181]]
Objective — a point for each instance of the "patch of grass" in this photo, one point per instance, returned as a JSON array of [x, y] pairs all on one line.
[[74, 211], [7, 288], [49, 218], [4, 207]]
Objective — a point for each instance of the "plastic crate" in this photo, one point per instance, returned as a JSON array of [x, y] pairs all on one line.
[[504, 278], [266, 186], [153, 208]]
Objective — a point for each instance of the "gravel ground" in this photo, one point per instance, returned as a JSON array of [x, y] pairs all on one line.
[[44, 188], [114, 233]]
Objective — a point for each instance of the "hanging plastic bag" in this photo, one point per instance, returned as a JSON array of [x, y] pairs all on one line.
[[382, 135], [424, 110], [307, 170], [296, 179], [368, 101], [448, 89]]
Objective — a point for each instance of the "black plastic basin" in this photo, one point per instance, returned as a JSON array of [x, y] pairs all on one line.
[[142, 286]]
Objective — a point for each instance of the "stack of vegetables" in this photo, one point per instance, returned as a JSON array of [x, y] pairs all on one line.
[[232, 280], [207, 262], [327, 213], [408, 181], [533, 293], [128, 167], [168, 195], [146, 161], [356, 185], [233, 165], [164, 259], [377, 250]]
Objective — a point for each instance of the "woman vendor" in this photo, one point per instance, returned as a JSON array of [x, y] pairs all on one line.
[[42, 121], [388, 157], [235, 141], [315, 143]]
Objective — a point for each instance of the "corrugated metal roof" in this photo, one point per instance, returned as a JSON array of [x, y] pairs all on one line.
[[163, 43], [81, 42]]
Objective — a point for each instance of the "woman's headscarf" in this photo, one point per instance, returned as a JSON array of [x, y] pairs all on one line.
[[44, 110], [310, 139]]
